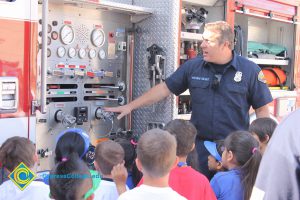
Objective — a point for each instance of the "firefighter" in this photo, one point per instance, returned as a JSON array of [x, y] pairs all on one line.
[[223, 87]]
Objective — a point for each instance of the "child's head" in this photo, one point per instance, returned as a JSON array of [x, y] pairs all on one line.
[[242, 152], [73, 140], [215, 158], [156, 153], [107, 155], [129, 150], [185, 133], [262, 130], [71, 180], [16, 150]]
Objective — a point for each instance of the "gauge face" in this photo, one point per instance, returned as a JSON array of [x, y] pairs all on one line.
[[82, 53], [102, 54], [67, 34], [72, 52], [92, 53], [54, 35], [98, 37], [61, 51]]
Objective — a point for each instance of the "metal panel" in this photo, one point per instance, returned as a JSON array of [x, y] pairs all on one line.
[[71, 90], [161, 29]]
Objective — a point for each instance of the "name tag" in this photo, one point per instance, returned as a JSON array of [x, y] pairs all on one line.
[[200, 78]]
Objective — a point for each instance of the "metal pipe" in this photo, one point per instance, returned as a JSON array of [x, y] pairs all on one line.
[[44, 56]]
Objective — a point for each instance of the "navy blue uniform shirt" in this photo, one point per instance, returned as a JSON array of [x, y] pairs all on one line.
[[218, 111]]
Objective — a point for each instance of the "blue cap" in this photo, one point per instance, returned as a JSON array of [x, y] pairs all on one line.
[[82, 133], [212, 149]]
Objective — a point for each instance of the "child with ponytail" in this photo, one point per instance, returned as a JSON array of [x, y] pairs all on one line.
[[241, 157], [71, 179]]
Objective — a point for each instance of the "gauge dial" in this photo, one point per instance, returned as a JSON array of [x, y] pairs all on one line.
[[54, 35], [92, 53], [82, 53], [67, 34], [98, 37], [102, 54], [72, 52], [61, 51]]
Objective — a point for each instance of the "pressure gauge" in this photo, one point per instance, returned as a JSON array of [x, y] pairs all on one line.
[[102, 54], [82, 53], [98, 37], [72, 52], [67, 34], [61, 51], [92, 53]]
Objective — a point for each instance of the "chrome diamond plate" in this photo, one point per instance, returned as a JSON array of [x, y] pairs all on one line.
[[161, 29]]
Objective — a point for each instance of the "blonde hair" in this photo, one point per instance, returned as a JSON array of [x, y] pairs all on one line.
[[16, 150], [156, 150], [225, 31]]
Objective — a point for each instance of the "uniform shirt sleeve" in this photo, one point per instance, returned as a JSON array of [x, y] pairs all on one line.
[[260, 94], [177, 83]]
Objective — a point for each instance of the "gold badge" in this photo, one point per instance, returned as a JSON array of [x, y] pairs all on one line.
[[261, 77]]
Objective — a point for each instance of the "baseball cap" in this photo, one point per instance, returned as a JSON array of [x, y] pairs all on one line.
[[212, 149]]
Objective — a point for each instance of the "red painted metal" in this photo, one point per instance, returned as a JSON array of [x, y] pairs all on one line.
[[17, 58], [230, 12], [268, 5]]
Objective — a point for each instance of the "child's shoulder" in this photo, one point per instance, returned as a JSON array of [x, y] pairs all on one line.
[[189, 172], [226, 175]]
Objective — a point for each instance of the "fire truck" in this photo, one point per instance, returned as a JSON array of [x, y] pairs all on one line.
[[63, 61]]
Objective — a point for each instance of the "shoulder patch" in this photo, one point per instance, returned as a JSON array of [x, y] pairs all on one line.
[[261, 77]]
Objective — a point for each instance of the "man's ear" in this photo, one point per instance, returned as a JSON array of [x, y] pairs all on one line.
[[226, 44]]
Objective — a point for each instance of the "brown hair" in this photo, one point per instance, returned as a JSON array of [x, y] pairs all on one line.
[[156, 150], [16, 150], [185, 133], [225, 31], [107, 155], [262, 127]]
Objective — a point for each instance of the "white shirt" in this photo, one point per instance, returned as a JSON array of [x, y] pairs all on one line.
[[146, 192], [107, 191], [34, 191]]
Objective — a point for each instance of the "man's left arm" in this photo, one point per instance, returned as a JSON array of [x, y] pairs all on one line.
[[260, 95], [262, 111]]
